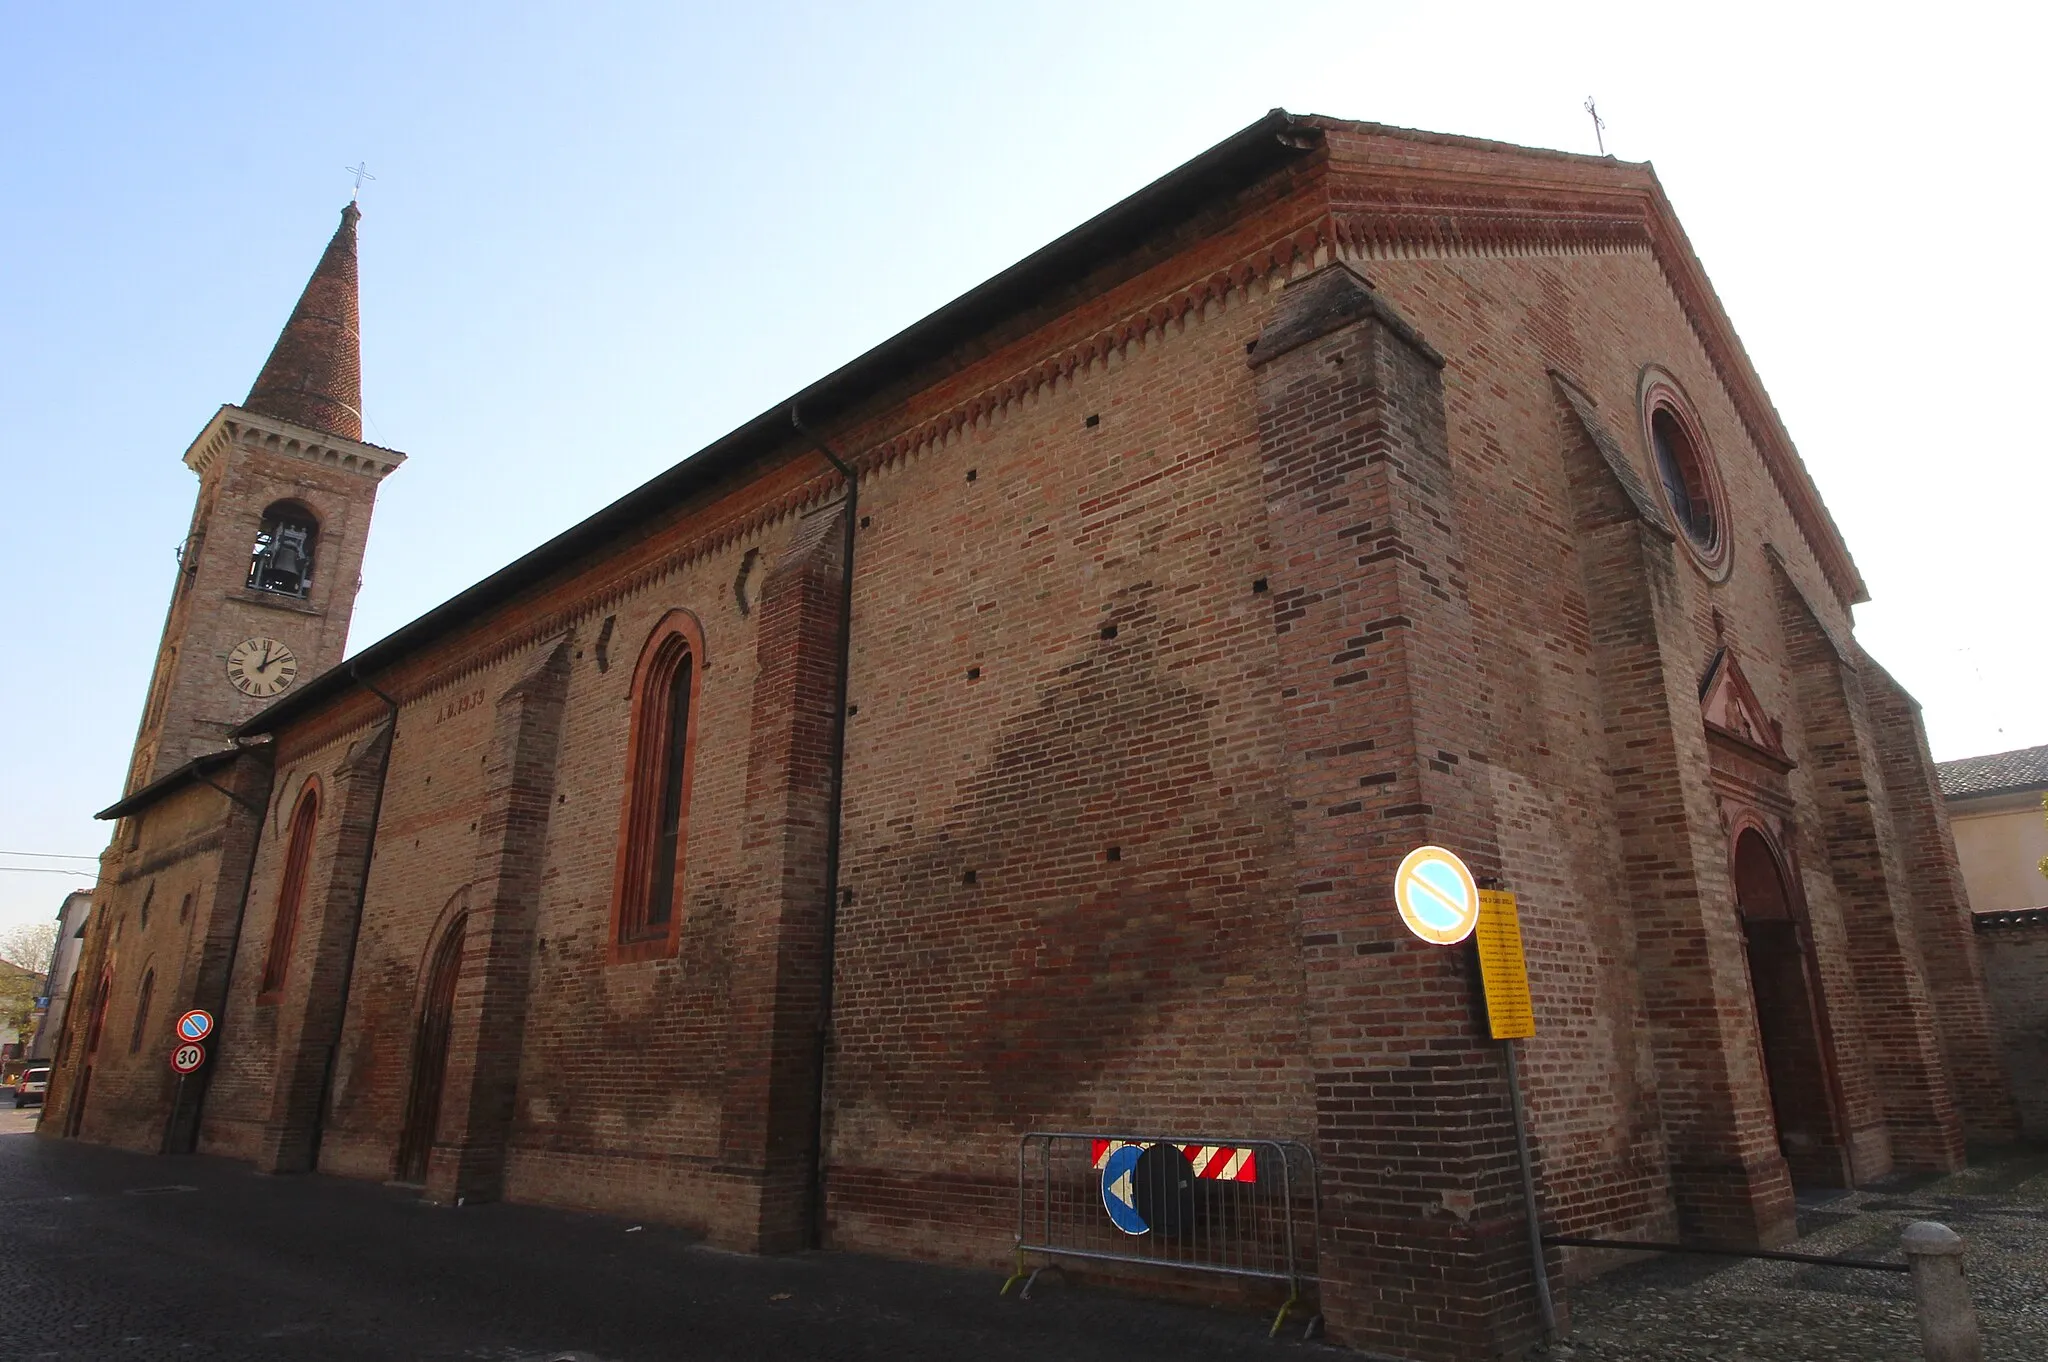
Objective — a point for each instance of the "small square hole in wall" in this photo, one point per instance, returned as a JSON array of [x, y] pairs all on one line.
[[1113, 854], [1092, 422], [967, 877], [974, 673], [866, 521], [852, 710], [973, 474], [1258, 586], [1109, 631]]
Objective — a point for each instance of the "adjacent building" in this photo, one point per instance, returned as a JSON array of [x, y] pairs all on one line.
[[1996, 806], [63, 968], [1018, 729]]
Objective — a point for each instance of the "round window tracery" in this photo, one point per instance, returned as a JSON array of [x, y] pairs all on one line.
[[1685, 470]]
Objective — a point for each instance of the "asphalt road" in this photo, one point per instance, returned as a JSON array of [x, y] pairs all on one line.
[[117, 1257]]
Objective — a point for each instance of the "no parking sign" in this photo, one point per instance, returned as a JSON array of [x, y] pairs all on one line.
[[1437, 896]]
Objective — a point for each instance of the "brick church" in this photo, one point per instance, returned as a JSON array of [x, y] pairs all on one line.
[[1018, 730]]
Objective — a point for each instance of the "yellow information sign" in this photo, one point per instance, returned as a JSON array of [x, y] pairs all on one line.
[[1503, 968]]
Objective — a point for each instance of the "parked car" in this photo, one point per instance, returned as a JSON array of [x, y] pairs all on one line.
[[34, 1083]]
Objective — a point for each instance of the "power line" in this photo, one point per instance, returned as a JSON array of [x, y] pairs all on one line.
[[49, 870], [48, 856]]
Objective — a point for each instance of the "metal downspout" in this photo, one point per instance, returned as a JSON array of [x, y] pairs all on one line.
[[815, 1194]]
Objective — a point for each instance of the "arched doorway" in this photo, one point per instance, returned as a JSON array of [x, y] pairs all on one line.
[[430, 1054], [1789, 1021]]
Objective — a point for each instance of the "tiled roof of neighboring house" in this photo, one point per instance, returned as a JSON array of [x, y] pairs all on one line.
[[2026, 769]]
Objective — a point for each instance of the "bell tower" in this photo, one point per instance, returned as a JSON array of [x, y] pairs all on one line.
[[268, 573]]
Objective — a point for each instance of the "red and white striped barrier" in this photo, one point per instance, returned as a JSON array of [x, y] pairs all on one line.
[[1217, 1162]]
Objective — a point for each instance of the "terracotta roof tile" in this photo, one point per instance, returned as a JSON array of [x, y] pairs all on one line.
[[2025, 769]]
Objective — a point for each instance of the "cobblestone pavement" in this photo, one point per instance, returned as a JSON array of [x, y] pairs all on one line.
[[1719, 1310], [113, 1257]]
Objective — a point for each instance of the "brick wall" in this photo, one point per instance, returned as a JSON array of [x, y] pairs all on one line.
[[185, 858], [2014, 950]]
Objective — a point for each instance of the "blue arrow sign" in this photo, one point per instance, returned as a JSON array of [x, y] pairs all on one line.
[[1120, 1189]]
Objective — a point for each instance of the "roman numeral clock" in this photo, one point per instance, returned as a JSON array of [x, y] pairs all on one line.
[[261, 667]]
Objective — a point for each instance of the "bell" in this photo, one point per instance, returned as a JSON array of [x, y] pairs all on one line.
[[288, 554]]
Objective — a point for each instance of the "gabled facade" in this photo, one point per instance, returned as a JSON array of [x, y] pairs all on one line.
[[1020, 728]]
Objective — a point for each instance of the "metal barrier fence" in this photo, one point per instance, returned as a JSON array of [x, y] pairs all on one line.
[[1238, 1207]]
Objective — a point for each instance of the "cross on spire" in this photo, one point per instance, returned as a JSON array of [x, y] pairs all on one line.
[[361, 170], [1599, 126]]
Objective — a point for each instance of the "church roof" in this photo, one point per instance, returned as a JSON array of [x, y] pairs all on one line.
[[314, 376], [1999, 773], [191, 773], [1434, 177]]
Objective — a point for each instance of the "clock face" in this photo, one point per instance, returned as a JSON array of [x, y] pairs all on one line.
[[261, 667]]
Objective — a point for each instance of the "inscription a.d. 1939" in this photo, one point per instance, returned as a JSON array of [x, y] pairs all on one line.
[[461, 704]]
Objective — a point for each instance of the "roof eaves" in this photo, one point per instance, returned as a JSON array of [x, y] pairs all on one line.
[[1239, 161], [166, 783]]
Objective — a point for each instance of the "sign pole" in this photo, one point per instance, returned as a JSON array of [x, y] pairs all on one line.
[[1442, 903], [1543, 1301]]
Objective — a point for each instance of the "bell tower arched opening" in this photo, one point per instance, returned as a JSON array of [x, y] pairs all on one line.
[[282, 559]]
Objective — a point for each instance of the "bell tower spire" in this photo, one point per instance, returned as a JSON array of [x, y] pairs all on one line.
[[314, 376], [268, 574]]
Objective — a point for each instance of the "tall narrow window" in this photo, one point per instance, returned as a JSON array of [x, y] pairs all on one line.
[[97, 1019], [298, 857], [647, 901], [282, 560], [142, 999]]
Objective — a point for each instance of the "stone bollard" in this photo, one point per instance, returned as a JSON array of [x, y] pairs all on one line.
[[1941, 1298]]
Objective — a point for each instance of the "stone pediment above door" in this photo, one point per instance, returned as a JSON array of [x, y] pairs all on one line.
[[1736, 719]]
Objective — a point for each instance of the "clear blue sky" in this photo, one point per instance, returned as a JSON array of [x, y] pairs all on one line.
[[603, 234]]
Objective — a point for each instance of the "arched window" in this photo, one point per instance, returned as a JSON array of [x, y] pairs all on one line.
[[148, 897], [655, 822], [298, 857], [97, 1017], [185, 908], [142, 998], [282, 560]]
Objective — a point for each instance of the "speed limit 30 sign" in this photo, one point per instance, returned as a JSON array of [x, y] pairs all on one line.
[[187, 1058]]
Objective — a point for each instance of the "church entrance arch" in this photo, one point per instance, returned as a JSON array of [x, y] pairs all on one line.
[[430, 1053], [1789, 1023]]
